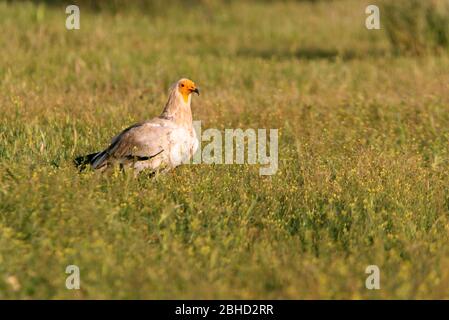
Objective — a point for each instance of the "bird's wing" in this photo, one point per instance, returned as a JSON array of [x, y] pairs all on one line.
[[141, 141]]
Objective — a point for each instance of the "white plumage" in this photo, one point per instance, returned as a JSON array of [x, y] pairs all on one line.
[[162, 143]]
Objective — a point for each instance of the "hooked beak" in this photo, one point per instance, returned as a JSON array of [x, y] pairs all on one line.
[[196, 90]]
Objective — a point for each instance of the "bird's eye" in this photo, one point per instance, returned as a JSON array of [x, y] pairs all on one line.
[[182, 85]]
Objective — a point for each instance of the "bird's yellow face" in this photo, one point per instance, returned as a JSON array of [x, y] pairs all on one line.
[[186, 87]]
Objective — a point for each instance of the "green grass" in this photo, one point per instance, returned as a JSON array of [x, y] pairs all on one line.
[[417, 27], [363, 174]]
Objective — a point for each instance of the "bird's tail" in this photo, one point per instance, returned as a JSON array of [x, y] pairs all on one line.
[[82, 162]]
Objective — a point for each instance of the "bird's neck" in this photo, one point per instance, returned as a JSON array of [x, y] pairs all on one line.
[[178, 110]]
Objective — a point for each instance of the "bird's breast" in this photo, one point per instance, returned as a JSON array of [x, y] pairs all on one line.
[[183, 144]]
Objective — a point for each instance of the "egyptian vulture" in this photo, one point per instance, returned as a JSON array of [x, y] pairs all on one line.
[[160, 144]]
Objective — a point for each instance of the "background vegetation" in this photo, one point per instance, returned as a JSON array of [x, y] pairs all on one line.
[[363, 175], [417, 27]]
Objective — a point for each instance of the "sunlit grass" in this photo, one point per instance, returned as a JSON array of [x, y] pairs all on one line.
[[363, 155]]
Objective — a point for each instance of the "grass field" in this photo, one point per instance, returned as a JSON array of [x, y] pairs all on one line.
[[363, 173]]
